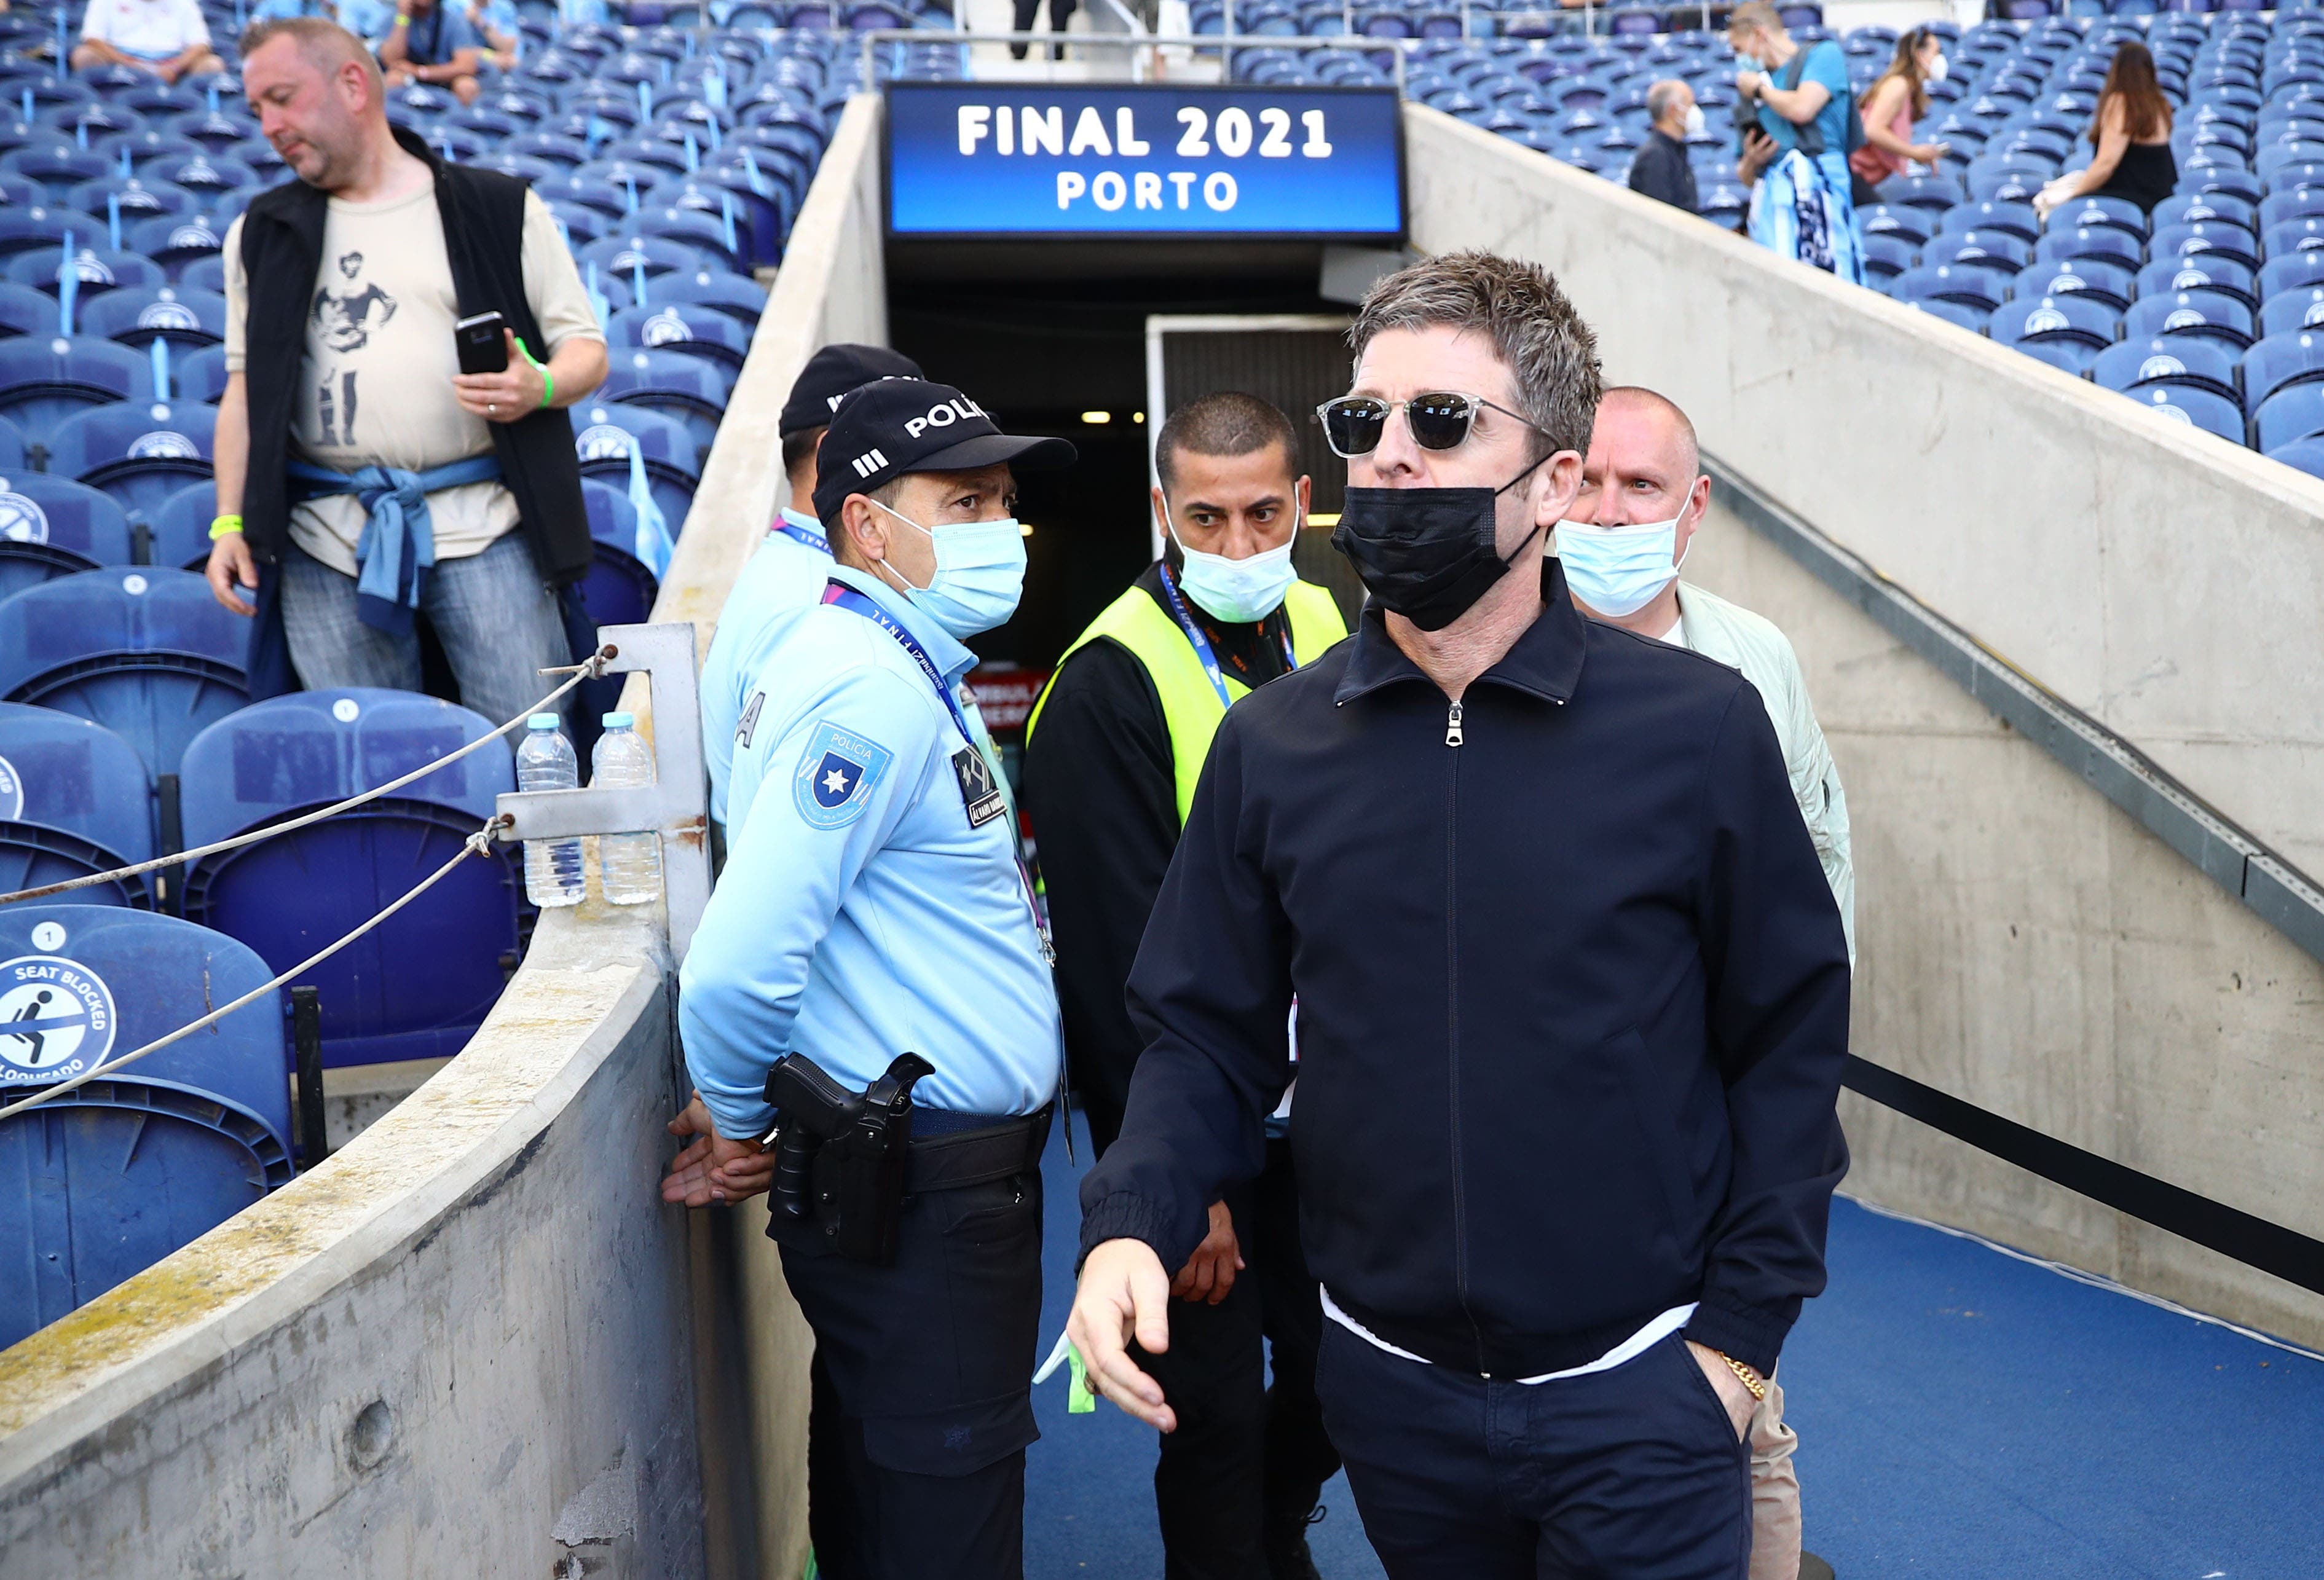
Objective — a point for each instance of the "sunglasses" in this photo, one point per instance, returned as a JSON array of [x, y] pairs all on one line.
[[1353, 425]]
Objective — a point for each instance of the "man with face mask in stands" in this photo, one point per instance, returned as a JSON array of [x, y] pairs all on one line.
[[1660, 170], [1643, 499], [874, 905], [1112, 753], [1572, 1001]]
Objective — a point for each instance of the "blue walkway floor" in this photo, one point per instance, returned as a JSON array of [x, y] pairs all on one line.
[[1960, 1413]]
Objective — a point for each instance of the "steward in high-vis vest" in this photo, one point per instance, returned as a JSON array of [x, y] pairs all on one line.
[[1113, 750]]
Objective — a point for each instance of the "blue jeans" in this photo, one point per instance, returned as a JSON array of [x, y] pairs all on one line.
[[1631, 1474], [497, 620]]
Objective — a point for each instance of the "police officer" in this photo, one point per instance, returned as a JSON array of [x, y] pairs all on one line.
[[791, 565], [873, 904], [1113, 752]]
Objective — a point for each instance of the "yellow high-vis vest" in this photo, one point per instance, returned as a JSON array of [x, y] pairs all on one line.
[[1190, 709]]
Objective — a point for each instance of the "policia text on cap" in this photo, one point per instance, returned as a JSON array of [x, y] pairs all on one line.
[[1571, 989], [873, 905]]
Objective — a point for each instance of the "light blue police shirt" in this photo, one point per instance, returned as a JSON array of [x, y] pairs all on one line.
[[785, 575], [860, 915]]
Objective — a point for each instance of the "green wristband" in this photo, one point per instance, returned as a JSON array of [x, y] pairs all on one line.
[[548, 387], [223, 525]]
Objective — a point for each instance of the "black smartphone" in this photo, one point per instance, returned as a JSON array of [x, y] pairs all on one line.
[[482, 348]]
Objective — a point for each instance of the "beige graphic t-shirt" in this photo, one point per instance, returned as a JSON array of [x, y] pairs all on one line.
[[376, 384]]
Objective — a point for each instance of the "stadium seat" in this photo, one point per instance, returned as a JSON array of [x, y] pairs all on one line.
[[2207, 313], [50, 526], [182, 316], [697, 331], [1979, 290], [175, 241], [1969, 318], [199, 375], [95, 270], [2078, 319], [2293, 412], [2280, 361], [683, 386], [140, 453], [2219, 206], [2302, 308], [604, 435], [2191, 408], [621, 253], [2306, 455], [26, 311], [149, 654], [204, 274], [1990, 249], [1992, 213], [2117, 212], [108, 1179], [72, 804], [2199, 271], [2180, 359], [1937, 192], [416, 987], [2102, 241], [619, 589], [2209, 237], [2279, 207], [1887, 256], [27, 230], [43, 381], [738, 297]]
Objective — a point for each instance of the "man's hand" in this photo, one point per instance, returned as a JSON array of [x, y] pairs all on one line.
[[1758, 152], [505, 396], [231, 565], [714, 1170], [1725, 1383], [1210, 1271], [1748, 83], [1124, 1292]]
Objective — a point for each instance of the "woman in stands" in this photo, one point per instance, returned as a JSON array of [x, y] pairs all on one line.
[[2132, 135], [1897, 99]]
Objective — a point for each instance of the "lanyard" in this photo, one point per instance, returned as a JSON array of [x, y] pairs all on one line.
[[813, 541], [1203, 653]]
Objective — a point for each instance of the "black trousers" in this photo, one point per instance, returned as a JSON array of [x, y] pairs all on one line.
[[1243, 1469], [1061, 11], [1631, 1474], [922, 1399]]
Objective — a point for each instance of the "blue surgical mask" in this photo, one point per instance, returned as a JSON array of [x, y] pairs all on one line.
[[1617, 570], [1237, 590], [979, 577]]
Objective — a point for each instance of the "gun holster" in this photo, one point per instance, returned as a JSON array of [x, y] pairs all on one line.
[[842, 1157]]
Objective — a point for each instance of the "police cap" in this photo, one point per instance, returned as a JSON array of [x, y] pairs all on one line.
[[887, 429], [832, 374]]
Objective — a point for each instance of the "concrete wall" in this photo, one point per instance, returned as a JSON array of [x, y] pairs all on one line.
[[2160, 579], [474, 1342], [2023, 946]]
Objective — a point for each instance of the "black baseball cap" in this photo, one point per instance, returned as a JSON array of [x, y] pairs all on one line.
[[887, 429], [831, 375]]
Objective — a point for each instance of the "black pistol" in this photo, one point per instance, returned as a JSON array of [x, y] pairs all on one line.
[[869, 1136]]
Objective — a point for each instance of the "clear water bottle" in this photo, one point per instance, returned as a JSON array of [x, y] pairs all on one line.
[[553, 874], [628, 865]]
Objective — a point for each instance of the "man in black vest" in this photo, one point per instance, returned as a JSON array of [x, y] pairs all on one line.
[[362, 479]]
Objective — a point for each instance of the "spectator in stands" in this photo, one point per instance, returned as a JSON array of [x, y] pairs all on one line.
[[1572, 1001], [2131, 134], [351, 453], [169, 38], [1643, 498], [495, 21], [1061, 16], [431, 42], [1803, 206], [1660, 170], [1898, 97]]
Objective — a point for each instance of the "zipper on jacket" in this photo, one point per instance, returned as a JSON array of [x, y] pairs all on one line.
[[1453, 738]]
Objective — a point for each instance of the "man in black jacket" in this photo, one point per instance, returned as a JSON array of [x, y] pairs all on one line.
[[1572, 1001], [373, 480], [1660, 170]]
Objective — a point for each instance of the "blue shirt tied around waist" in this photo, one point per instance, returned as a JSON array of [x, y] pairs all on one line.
[[861, 913], [398, 546]]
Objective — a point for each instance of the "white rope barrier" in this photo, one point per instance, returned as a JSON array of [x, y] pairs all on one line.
[[479, 843], [591, 670]]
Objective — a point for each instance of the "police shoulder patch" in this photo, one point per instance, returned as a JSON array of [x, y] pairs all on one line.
[[836, 774]]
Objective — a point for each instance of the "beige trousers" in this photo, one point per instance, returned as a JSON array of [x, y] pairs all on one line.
[[1774, 1492]]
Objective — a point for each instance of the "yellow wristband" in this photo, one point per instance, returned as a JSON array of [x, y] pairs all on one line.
[[223, 525], [403, 21]]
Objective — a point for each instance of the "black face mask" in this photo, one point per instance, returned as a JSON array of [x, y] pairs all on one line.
[[1428, 554]]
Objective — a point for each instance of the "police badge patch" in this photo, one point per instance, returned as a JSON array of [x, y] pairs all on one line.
[[836, 774]]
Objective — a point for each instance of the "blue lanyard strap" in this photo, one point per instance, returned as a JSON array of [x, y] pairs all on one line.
[[813, 541], [1201, 646], [854, 603]]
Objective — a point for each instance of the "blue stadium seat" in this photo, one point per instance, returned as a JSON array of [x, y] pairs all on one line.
[[2306, 455], [136, 200], [605, 434], [2291, 272], [683, 387], [2278, 207], [72, 804], [2068, 356], [2299, 308], [2220, 206], [696, 331], [619, 589], [1969, 318], [173, 242], [26, 230], [95, 270], [2236, 183], [1991, 248], [2210, 236], [2084, 213], [1995, 213], [206, 174], [2180, 359], [2199, 271], [2089, 241], [738, 297], [416, 987], [43, 381], [1887, 256], [2200, 408], [621, 251], [149, 654], [1937, 192], [112, 1177], [143, 147], [56, 165], [26, 311], [2077, 318], [204, 274], [2293, 412], [140, 453], [1976, 288], [139, 317], [2280, 361], [199, 375], [52, 528], [2207, 313]]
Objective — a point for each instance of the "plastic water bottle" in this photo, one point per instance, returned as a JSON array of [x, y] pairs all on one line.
[[553, 874], [628, 865]]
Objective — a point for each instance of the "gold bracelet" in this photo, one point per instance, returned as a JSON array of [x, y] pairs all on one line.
[[1750, 1378]]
